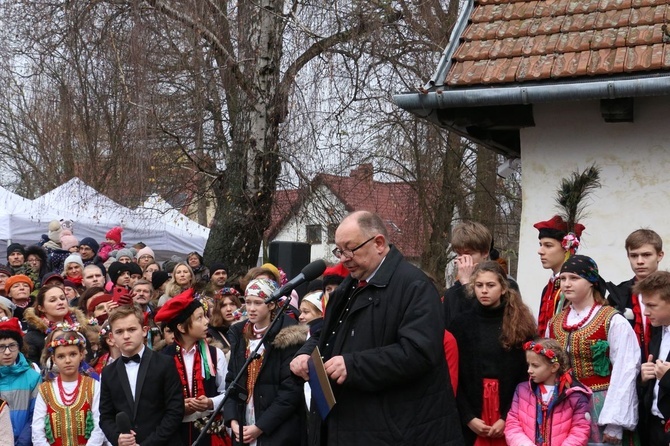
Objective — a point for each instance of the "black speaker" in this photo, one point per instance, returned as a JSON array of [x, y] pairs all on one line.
[[292, 257]]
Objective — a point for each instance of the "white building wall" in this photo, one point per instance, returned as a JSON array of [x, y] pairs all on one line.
[[635, 193], [315, 210]]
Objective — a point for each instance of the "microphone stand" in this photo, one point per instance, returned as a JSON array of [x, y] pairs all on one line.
[[235, 382]]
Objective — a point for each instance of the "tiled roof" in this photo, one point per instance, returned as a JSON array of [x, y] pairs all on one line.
[[395, 202], [518, 40]]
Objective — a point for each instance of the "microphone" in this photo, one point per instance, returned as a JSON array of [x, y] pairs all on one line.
[[122, 423], [310, 272]]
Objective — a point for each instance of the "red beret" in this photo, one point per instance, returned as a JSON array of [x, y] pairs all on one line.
[[11, 325], [336, 270], [101, 299], [178, 309]]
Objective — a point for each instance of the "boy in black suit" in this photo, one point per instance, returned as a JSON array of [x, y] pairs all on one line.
[[143, 384], [655, 405]]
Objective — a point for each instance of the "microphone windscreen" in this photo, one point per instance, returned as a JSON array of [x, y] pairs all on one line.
[[123, 423], [314, 270]]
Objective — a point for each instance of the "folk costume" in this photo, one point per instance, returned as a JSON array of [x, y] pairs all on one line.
[[604, 355], [269, 395], [67, 413], [565, 228], [202, 371]]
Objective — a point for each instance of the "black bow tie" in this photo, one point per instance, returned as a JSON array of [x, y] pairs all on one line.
[[136, 358]]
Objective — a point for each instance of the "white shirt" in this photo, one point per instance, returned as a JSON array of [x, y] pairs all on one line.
[[662, 355], [221, 370], [39, 437], [132, 369]]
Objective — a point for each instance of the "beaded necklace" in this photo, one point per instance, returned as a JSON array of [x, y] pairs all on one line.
[[68, 398], [579, 324]]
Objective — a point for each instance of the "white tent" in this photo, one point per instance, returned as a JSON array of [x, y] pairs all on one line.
[[94, 214], [20, 221]]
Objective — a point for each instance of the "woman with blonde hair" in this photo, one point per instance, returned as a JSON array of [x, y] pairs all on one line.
[[181, 280]]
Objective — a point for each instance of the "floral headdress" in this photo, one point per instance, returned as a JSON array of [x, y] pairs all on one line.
[[538, 348], [79, 339], [226, 291]]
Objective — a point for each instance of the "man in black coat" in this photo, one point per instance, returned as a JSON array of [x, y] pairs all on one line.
[[143, 384], [654, 426], [382, 347]]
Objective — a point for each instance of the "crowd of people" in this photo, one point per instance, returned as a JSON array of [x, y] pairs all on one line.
[[101, 343]]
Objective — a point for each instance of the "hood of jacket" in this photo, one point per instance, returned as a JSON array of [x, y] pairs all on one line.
[[16, 369], [291, 336], [40, 324]]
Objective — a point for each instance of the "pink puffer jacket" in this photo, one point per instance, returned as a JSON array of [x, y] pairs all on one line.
[[569, 418]]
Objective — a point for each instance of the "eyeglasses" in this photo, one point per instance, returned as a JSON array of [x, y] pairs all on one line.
[[349, 253], [145, 257], [11, 347]]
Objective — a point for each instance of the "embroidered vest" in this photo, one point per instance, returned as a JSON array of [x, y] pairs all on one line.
[[578, 344], [69, 425]]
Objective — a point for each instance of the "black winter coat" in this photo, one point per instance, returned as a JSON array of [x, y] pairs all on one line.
[[278, 395], [397, 390]]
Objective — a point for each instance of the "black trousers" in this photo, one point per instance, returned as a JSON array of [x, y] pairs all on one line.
[[656, 432]]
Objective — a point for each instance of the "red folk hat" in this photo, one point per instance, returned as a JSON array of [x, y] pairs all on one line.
[[557, 228], [178, 309], [12, 325]]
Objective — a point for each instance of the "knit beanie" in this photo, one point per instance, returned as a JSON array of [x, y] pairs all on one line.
[[67, 240], [146, 251], [115, 270], [11, 329], [158, 278], [19, 278], [215, 267], [16, 247], [91, 243], [73, 258], [54, 231], [125, 252], [115, 234], [5, 270]]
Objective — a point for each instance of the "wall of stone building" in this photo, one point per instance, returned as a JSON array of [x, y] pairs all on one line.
[[635, 193]]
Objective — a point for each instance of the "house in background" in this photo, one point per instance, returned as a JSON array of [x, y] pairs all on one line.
[[563, 84], [312, 214]]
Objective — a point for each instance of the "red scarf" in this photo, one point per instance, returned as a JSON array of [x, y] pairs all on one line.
[[642, 332]]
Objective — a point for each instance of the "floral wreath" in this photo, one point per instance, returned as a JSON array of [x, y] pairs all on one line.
[[538, 348], [226, 291], [63, 326]]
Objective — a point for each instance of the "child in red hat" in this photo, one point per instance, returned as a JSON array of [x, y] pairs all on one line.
[[202, 368], [112, 243]]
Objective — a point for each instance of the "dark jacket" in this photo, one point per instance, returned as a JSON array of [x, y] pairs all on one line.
[[278, 395], [477, 331], [156, 413], [397, 390], [648, 393]]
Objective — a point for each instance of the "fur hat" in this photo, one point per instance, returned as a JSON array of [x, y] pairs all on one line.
[[91, 243], [114, 234], [19, 278], [146, 251], [38, 251], [73, 258], [16, 247], [67, 240]]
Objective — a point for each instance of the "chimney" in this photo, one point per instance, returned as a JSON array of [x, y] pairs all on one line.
[[363, 174]]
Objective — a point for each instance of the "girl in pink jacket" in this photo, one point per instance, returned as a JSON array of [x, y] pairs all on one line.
[[552, 408]]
